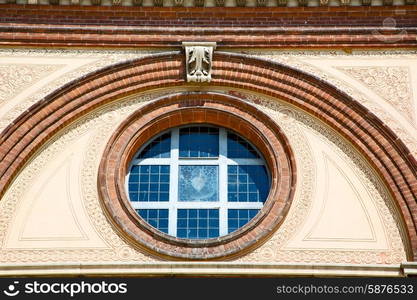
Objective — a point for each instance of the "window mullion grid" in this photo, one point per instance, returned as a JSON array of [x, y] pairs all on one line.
[[173, 205], [223, 224], [173, 183]]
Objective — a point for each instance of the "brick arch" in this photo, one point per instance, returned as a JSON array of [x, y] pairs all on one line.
[[383, 149]]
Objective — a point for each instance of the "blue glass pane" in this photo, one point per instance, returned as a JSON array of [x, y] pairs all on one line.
[[247, 183], [213, 213], [182, 213], [239, 148], [155, 169], [134, 196], [199, 142], [164, 178], [149, 183], [213, 233], [198, 223], [163, 213], [237, 218], [134, 178], [192, 213], [143, 169], [192, 223], [153, 213], [158, 148], [163, 223], [198, 183], [157, 218], [233, 213]]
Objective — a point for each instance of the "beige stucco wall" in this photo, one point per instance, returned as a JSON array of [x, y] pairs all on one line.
[[341, 213]]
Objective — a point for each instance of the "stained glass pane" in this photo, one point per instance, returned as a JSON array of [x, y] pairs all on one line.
[[198, 223], [157, 218], [247, 183], [198, 183], [158, 148], [149, 183], [239, 148], [199, 142]]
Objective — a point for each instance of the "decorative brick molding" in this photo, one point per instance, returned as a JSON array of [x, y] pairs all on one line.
[[270, 27], [197, 108], [382, 148]]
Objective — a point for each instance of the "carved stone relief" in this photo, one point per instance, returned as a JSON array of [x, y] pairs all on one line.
[[198, 57]]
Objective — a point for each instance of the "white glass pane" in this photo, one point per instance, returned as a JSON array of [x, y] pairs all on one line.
[[198, 183]]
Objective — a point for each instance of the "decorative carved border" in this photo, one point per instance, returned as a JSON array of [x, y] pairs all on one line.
[[379, 144], [197, 108]]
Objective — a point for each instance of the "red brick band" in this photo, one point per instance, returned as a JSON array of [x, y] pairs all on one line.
[[267, 27], [329, 16], [383, 149], [197, 108], [12, 34]]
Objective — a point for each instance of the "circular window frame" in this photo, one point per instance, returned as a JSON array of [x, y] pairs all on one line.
[[191, 109], [185, 161]]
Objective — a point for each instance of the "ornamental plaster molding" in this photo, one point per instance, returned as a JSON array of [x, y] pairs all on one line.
[[293, 122], [17, 77], [298, 60], [114, 115], [99, 59], [391, 83]]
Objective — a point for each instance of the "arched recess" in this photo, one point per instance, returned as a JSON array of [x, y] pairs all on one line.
[[383, 149]]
